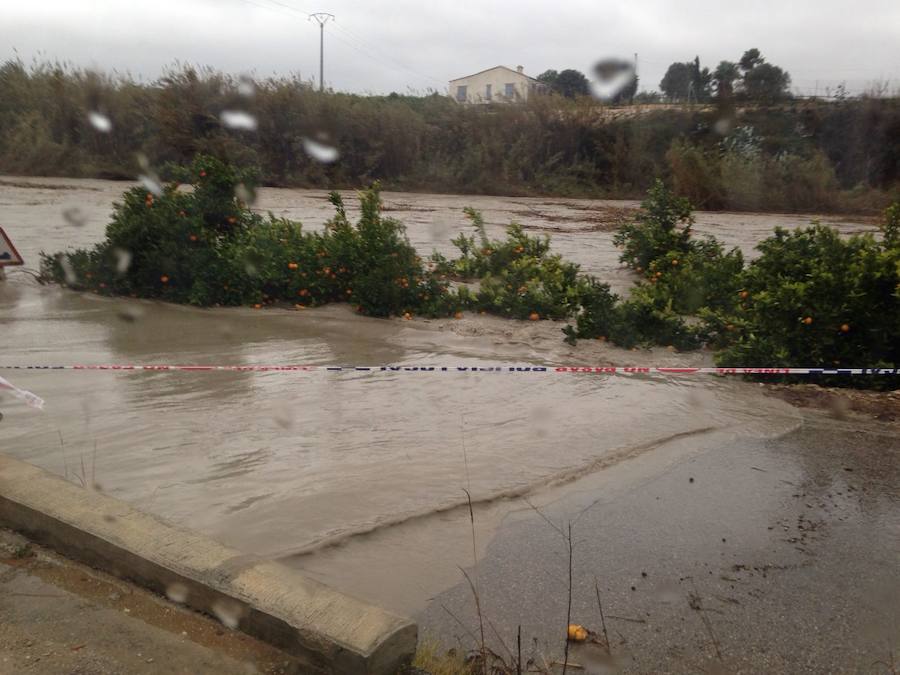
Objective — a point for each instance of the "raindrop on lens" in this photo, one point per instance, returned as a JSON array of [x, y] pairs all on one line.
[[74, 216], [613, 75], [68, 270], [177, 592], [244, 193], [123, 260], [228, 612], [238, 119], [151, 184], [283, 415], [320, 151], [142, 161], [100, 122], [246, 86], [722, 126], [129, 314]]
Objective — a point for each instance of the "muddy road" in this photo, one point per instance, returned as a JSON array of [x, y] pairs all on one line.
[[356, 477]]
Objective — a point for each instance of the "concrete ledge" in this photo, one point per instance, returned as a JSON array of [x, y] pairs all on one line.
[[326, 630]]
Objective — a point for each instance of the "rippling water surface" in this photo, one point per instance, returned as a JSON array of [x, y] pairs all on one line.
[[283, 463]]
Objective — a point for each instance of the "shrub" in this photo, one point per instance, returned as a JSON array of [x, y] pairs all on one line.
[[205, 247], [813, 298], [663, 227]]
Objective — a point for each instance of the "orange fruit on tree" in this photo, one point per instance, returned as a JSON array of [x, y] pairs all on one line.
[[458, 315], [407, 316], [293, 265], [807, 320], [845, 328], [534, 316], [257, 306], [675, 262], [745, 294], [164, 279], [192, 237]]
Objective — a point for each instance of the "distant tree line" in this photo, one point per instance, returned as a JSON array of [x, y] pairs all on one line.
[[751, 78], [839, 155]]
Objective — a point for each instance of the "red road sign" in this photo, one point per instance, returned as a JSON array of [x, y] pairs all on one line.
[[8, 253]]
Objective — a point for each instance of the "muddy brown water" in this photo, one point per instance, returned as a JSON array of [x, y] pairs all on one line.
[[282, 465]]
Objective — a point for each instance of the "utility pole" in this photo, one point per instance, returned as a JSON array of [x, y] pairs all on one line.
[[321, 18]]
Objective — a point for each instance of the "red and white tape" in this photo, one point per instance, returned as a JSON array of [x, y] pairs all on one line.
[[512, 368]]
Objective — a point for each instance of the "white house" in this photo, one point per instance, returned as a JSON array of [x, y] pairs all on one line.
[[497, 84]]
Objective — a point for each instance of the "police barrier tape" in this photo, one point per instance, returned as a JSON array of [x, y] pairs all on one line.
[[601, 370]]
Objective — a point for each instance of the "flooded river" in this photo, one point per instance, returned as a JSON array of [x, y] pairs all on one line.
[[285, 465]]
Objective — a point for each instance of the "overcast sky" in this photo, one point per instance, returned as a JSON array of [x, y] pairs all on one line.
[[379, 46]]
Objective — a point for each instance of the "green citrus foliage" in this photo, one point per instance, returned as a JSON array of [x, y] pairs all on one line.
[[206, 247], [814, 298], [811, 298]]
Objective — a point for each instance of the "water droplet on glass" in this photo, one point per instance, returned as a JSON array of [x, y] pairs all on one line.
[[68, 270], [246, 86], [244, 193], [123, 260], [74, 216], [320, 151], [238, 119], [177, 592], [151, 184], [228, 612], [612, 76], [283, 414], [100, 122], [142, 161], [722, 126], [129, 314], [668, 592]]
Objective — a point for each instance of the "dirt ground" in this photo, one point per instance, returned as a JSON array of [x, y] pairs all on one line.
[[57, 616], [883, 406]]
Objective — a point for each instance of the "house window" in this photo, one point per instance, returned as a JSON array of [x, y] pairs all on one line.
[[461, 93], [509, 90], [487, 92]]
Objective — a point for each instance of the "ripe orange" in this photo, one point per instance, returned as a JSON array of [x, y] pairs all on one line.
[[745, 295], [407, 316], [458, 315], [577, 633], [202, 174], [807, 320], [164, 279], [293, 266], [675, 262], [192, 237], [534, 316], [257, 306], [845, 328]]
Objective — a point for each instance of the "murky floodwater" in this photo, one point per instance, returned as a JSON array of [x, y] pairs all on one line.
[[278, 464]]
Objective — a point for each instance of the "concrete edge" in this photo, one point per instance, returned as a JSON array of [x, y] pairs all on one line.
[[325, 629]]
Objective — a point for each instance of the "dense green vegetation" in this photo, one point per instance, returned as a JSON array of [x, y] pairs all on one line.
[[812, 298], [843, 155]]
